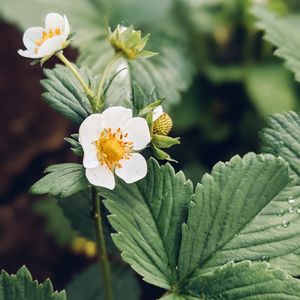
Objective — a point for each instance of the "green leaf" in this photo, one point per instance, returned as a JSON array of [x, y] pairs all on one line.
[[62, 180], [281, 137], [233, 215], [147, 216], [78, 208], [273, 236], [64, 93], [141, 103], [270, 88], [245, 280], [56, 223], [225, 202], [280, 31], [89, 284], [21, 286], [76, 146]]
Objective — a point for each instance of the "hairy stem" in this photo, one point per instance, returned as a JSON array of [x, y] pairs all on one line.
[[90, 94], [101, 245], [104, 76]]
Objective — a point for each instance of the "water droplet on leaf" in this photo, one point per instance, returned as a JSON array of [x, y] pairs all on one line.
[[285, 223], [291, 209], [280, 213], [291, 200], [265, 258]]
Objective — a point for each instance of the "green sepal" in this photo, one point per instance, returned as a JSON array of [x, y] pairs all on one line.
[[147, 54], [164, 141], [44, 59], [71, 35], [149, 108], [161, 155], [129, 42], [35, 62]]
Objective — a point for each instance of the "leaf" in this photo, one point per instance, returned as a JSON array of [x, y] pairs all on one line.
[[225, 202], [76, 146], [245, 280], [125, 285], [62, 180], [281, 137], [21, 286], [140, 102], [273, 236], [147, 216], [78, 208], [56, 223], [228, 208], [169, 79], [64, 93], [280, 31], [270, 88]]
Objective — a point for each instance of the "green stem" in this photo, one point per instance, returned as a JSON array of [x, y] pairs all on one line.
[[104, 76], [101, 245], [85, 87]]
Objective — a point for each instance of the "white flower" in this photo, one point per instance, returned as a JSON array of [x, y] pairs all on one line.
[[41, 42], [157, 112], [109, 141]]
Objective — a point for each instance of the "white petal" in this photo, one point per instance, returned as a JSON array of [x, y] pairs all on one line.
[[90, 159], [157, 112], [51, 45], [28, 53], [54, 21], [138, 132], [133, 169], [90, 129], [31, 35], [101, 176], [115, 116], [66, 27]]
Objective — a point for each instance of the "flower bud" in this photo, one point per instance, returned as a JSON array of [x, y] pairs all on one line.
[[129, 42]]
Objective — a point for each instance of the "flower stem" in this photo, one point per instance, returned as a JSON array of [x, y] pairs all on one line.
[[101, 245], [104, 76], [90, 94]]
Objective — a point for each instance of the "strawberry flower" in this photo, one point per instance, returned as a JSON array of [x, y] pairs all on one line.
[[110, 141], [44, 42]]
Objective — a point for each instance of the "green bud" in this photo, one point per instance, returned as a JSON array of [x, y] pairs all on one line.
[[163, 141], [129, 42]]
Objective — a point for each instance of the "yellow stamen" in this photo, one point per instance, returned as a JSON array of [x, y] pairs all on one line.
[[111, 148], [47, 35]]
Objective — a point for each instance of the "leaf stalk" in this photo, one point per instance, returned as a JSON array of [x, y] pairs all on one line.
[[90, 94], [104, 76]]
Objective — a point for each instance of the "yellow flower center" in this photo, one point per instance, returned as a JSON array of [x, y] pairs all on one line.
[[111, 148], [45, 36]]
